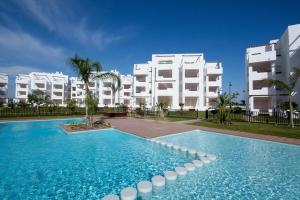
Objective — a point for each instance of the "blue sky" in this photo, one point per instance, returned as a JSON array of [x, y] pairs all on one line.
[[40, 35]]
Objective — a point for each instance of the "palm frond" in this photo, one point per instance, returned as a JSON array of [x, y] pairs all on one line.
[[277, 83], [110, 76], [294, 77]]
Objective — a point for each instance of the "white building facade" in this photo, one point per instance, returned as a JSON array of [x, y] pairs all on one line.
[[53, 84], [102, 91], [3, 88], [175, 79], [275, 60]]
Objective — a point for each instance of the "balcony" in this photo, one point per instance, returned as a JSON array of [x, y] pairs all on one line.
[[58, 87], [261, 54], [190, 102], [214, 80], [212, 94], [106, 93], [107, 84], [214, 70], [58, 101], [191, 89], [127, 94], [261, 88], [140, 101], [212, 102], [22, 94], [40, 86], [262, 104], [57, 95], [106, 101], [141, 69], [140, 91], [165, 89], [3, 88]]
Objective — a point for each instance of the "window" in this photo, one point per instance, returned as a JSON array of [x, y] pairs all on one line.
[[107, 92], [165, 73], [140, 89], [58, 86], [127, 86], [191, 73], [165, 86]]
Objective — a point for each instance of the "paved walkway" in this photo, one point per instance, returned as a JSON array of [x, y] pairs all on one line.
[[149, 128], [152, 128]]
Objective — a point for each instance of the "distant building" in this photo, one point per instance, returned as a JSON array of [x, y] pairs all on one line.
[[101, 90], [274, 60], [3, 88], [175, 79], [53, 84], [168, 78]]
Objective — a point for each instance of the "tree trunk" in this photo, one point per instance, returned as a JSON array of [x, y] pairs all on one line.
[[86, 103], [291, 111]]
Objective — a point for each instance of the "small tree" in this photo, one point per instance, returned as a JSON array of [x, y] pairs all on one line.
[[181, 106], [286, 105], [11, 104], [37, 98], [224, 100], [288, 87], [71, 105], [23, 105], [162, 108]]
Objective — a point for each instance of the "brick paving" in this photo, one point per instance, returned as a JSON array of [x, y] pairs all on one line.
[[154, 128]]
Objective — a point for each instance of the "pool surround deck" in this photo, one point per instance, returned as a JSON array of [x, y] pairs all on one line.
[[154, 128]]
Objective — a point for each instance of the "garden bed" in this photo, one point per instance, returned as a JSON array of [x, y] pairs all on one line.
[[72, 128]]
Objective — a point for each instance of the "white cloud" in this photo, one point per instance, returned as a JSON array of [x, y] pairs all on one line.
[[18, 69], [57, 17], [21, 47]]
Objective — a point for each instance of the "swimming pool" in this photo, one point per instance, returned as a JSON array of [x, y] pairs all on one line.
[[39, 161], [245, 169]]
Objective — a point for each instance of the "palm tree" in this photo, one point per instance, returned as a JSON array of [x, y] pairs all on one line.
[[223, 101], [116, 86], [88, 70], [288, 87]]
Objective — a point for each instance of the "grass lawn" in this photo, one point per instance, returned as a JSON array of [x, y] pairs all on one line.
[[265, 129]]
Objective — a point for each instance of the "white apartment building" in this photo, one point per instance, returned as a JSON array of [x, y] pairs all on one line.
[[175, 79], [53, 84], [125, 95], [3, 88], [274, 60], [101, 89], [77, 90]]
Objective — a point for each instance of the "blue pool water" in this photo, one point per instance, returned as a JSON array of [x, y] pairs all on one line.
[[39, 161], [244, 169]]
